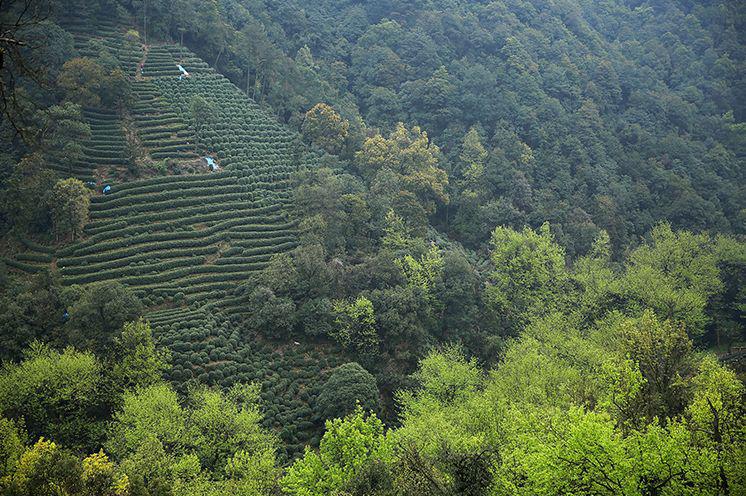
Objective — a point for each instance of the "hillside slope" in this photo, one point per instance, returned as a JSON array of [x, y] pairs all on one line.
[[184, 241], [194, 235]]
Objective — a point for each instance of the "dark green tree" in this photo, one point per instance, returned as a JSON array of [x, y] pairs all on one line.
[[347, 386]]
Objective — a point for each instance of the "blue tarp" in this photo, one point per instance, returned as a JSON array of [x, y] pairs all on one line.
[[107, 188], [211, 162], [183, 71]]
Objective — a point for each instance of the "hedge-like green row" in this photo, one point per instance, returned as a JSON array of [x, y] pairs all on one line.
[[175, 204], [22, 266], [34, 257], [149, 236], [134, 272], [33, 245], [153, 199], [229, 210], [122, 229], [81, 265], [170, 180]]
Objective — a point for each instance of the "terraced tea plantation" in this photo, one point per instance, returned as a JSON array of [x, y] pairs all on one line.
[[207, 348], [237, 130], [34, 257], [185, 242], [110, 36], [197, 235], [163, 134], [192, 237]]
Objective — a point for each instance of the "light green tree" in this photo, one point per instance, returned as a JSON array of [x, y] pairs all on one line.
[[529, 278], [423, 273], [44, 469], [138, 362], [595, 280], [214, 443], [356, 326], [348, 446], [675, 275], [56, 394], [100, 477], [325, 127]]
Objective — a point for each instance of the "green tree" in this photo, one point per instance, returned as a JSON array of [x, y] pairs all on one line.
[[138, 362], [203, 118], [442, 451], [529, 277], [44, 470], [547, 421], [446, 376], [215, 442], [272, 315], [424, 273], [30, 309], [60, 133], [347, 386], [116, 89], [56, 394], [473, 158], [663, 352], [726, 307], [69, 203], [82, 80], [97, 311], [325, 127], [356, 327], [348, 447], [675, 275], [227, 424], [716, 419], [409, 157], [333, 209], [12, 446], [100, 477], [25, 199], [596, 280]]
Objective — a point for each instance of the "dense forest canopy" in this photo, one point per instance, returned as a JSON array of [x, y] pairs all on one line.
[[336, 247], [594, 115]]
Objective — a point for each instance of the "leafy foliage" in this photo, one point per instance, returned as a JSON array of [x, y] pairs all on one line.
[[324, 126], [69, 203], [347, 387], [347, 446], [530, 278], [56, 395], [412, 236]]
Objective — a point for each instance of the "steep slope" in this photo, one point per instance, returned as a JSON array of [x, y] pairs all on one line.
[[195, 235], [185, 241]]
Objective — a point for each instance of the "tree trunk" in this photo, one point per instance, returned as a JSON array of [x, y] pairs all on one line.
[[217, 59], [145, 22]]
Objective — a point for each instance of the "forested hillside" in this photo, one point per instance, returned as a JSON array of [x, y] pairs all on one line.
[[263, 247], [593, 115]]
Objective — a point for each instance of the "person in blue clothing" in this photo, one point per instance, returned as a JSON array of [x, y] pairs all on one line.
[[107, 188]]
